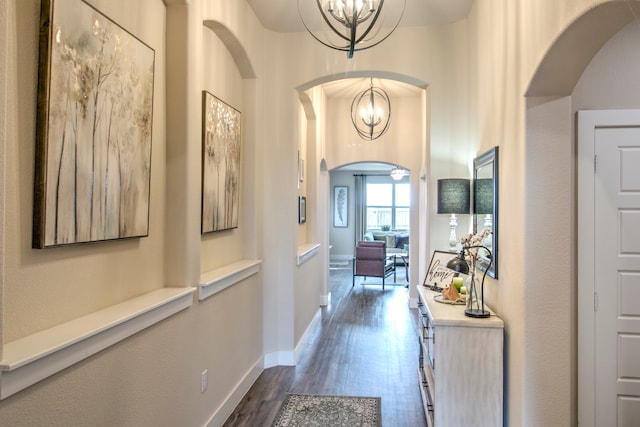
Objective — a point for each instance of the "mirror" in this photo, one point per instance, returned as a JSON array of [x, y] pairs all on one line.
[[485, 207]]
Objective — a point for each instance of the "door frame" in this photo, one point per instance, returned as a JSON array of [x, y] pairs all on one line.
[[588, 121]]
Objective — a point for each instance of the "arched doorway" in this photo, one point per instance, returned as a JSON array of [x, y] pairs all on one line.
[[553, 97], [325, 103]]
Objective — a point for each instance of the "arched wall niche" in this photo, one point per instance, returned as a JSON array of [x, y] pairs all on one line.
[[240, 93], [234, 46]]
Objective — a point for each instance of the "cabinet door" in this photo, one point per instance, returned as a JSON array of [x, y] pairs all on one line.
[[468, 376]]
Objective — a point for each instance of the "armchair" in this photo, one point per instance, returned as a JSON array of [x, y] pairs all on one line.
[[371, 260]]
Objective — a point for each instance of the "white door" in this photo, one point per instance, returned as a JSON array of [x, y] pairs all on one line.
[[609, 288]]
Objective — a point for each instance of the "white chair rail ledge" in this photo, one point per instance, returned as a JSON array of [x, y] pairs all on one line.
[[221, 278], [35, 357]]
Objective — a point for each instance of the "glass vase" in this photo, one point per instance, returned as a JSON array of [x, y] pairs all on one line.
[[472, 292]]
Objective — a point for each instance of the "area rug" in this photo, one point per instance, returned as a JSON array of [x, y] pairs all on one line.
[[302, 410]]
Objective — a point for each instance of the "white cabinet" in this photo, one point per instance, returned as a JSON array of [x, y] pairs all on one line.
[[460, 365]]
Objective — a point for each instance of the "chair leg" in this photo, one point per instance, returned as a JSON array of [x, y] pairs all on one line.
[[353, 269]]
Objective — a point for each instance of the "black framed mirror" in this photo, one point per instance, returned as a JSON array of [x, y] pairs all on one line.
[[485, 207]]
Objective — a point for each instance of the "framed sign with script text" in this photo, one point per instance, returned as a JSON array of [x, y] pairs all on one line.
[[438, 275]]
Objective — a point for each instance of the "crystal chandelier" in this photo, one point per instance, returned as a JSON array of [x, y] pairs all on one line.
[[350, 25], [371, 112]]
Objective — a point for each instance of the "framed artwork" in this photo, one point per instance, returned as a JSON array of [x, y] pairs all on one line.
[[220, 164], [340, 206], [93, 130], [302, 209], [438, 275]]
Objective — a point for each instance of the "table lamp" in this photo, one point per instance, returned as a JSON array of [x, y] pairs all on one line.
[[454, 196]]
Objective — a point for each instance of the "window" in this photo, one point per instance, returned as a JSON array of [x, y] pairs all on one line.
[[388, 204]]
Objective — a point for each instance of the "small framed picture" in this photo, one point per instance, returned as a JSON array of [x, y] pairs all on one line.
[[340, 206], [438, 275], [302, 209]]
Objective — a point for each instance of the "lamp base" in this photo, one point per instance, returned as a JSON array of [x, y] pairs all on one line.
[[477, 313]]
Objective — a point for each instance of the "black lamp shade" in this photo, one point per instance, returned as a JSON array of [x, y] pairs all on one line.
[[483, 196], [454, 196], [458, 264]]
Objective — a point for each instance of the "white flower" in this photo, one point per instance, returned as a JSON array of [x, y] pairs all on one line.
[[468, 242]]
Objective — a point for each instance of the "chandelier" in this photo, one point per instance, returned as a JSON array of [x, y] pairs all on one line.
[[371, 112], [350, 25]]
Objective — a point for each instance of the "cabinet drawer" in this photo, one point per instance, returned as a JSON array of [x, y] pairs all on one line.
[[428, 333]]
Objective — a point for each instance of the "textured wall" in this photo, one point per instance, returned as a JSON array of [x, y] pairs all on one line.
[[153, 377]]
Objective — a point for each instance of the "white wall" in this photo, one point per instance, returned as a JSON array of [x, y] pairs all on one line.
[[152, 378], [520, 48], [611, 79]]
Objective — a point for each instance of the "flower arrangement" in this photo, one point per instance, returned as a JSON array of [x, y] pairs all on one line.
[[471, 243]]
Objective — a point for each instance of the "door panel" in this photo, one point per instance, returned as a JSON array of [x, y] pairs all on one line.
[[617, 276]]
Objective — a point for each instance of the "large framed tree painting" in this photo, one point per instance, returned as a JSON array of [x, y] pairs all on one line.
[[94, 122], [220, 164]]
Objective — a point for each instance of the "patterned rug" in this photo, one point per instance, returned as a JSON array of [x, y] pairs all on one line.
[[328, 411]]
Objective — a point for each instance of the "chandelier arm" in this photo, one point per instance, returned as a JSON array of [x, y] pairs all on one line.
[[328, 22], [354, 28], [365, 17], [373, 23], [385, 37], [337, 18]]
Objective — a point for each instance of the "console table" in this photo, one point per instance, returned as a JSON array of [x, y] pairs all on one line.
[[460, 364]]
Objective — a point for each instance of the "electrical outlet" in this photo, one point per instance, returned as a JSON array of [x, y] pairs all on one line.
[[203, 382]]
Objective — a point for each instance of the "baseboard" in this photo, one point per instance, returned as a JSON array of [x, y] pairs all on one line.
[[325, 299], [413, 302], [291, 358], [233, 399], [279, 358], [309, 333]]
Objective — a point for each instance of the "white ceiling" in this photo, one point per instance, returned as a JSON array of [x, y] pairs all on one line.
[[282, 15]]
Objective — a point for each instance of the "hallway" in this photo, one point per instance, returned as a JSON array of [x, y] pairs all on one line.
[[367, 346]]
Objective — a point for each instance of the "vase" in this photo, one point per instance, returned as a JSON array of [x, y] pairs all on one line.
[[472, 292], [472, 289]]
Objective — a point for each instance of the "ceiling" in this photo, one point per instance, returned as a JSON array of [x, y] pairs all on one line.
[[282, 15]]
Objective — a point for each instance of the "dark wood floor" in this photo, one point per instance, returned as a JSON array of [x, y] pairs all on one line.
[[366, 346]]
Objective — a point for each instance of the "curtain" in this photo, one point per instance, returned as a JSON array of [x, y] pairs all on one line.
[[360, 206]]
